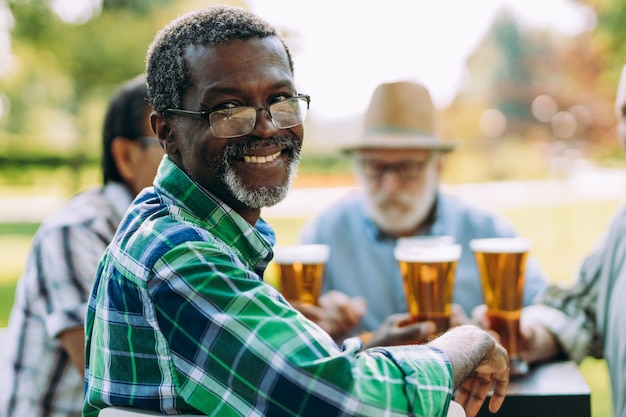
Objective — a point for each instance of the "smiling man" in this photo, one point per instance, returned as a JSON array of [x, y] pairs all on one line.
[[180, 320]]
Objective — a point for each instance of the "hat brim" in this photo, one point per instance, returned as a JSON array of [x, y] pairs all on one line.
[[399, 142]]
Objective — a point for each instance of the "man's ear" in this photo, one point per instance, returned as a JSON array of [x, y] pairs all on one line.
[[441, 162], [163, 130], [124, 153]]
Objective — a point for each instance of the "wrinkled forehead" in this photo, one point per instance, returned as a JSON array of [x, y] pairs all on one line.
[[620, 100]]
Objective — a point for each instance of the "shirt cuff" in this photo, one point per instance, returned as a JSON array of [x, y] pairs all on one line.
[[60, 321]]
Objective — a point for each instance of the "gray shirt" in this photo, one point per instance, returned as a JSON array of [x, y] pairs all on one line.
[[51, 297], [589, 318]]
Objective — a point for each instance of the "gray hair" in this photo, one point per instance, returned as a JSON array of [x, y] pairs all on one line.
[[167, 75]]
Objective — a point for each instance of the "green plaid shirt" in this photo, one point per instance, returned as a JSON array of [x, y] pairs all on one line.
[[180, 321]]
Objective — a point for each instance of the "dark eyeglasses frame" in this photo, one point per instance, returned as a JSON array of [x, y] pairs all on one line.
[[206, 114], [396, 168]]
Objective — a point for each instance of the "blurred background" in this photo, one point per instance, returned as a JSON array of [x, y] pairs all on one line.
[[526, 86]]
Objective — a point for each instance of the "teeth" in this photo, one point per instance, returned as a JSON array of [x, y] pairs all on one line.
[[261, 159]]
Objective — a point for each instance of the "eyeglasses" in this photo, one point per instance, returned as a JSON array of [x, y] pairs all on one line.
[[239, 121], [406, 170]]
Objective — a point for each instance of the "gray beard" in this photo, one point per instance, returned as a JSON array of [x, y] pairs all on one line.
[[260, 197]]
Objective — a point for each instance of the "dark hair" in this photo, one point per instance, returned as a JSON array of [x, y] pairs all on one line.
[[125, 117], [168, 76]]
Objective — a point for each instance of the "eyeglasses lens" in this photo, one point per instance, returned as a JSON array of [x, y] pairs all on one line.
[[288, 113], [230, 123], [239, 121], [405, 170]]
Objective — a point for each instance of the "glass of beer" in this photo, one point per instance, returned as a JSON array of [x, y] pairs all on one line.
[[301, 271], [502, 264], [428, 274]]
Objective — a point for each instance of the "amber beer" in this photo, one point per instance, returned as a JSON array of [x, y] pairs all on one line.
[[301, 271], [428, 274], [501, 263]]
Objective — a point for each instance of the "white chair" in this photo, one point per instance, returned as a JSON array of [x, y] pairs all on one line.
[[4, 333], [132, 412], [455, 410]]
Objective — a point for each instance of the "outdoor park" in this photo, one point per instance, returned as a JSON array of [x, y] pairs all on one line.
[[534, 116]]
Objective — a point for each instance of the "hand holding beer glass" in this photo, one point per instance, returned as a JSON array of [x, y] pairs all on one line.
[[428, 274], [501, 263], [301, 271]]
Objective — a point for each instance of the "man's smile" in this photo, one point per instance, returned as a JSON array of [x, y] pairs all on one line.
[[260, 159]]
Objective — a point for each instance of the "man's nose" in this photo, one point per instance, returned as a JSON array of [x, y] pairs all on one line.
[[264, 126], [390, 179]]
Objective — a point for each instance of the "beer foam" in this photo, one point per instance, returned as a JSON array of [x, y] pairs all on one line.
[[501, 245], [429, 240], [306, 254], [418, 253]]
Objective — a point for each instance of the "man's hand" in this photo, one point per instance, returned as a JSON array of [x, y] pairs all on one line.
[[537, 344], [492, 370], [398, 329], [458, 316], [336, 313], [478, 362]]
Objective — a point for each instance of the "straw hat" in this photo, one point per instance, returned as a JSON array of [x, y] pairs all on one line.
[[401, 115]]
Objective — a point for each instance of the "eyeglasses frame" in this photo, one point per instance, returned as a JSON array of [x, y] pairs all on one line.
[[206, 114], [393, 167]]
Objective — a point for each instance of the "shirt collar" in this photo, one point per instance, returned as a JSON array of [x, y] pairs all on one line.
[[200, 206]]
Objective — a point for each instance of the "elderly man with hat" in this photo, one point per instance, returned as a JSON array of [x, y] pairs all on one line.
[[398, 163]]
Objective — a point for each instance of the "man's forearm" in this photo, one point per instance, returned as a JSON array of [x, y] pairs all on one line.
[[73, 342], [465, 346]]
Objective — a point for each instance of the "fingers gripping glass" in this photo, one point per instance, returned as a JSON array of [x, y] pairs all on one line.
[[239, 121]]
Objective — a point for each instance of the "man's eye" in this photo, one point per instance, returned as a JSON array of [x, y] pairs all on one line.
[[225, 106], [281, 97]]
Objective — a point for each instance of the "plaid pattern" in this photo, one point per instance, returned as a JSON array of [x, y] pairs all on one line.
[[180, 321], [37, 376], [588, 318]]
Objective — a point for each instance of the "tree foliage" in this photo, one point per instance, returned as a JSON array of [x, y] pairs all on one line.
[[63, 73], [514, 65]]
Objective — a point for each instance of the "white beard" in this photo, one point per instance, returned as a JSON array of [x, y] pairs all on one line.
[[402, 212]]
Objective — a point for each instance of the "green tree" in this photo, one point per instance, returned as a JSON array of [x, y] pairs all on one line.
[[65, 64]]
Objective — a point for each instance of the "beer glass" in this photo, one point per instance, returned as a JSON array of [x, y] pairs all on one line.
[[428, 274], [501, 263], [301, 271]]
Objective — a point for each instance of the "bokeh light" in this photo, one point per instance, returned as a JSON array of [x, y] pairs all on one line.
[[492, 123], [564, 125], [544, 107]]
